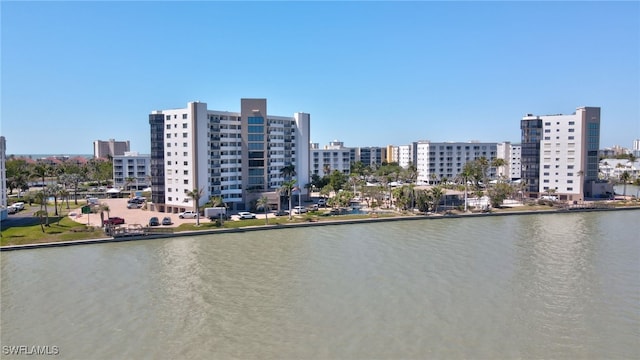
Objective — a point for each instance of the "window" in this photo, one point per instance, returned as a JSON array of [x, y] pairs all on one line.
[[186, 172], [572, 122], [184, 135], [168, 118], [186, 181], [186, 163], [185, 145], [184, 153], [571, 130], [168, 126], [569, 189], [168, 136], [184, 126], [184, 116], [571, 137]]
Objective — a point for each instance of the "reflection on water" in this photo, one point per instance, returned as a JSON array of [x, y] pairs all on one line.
[[540, 286]]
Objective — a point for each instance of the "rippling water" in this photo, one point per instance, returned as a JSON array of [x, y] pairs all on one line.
[[563, 286]]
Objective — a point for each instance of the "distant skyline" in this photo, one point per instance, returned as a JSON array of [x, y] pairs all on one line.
[[369, 73]]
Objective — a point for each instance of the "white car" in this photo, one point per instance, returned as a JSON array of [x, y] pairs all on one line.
[[322, 202], [246, 215], [18, 205], [190, 214], [299, 210]]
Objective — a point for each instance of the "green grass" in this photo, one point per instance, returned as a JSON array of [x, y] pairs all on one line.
[[64, 230]]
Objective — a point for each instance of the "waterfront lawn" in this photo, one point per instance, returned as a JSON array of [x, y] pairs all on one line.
[[59, 229]]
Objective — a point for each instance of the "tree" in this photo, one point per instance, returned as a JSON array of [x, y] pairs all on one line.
[[40, 214], [288, 172], [217, 201], [41, 196], [263, 203], [196, 194], [498, 163], [625, 177], [128, 181], [55, 190], [436, 194], [337, 179], [287, 189], [498, 193]]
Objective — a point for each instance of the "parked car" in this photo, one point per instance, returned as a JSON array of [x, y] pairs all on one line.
[[12, 209], [137, 200], [134, 205], [166, 221], [299, 210], [246, 215], [322, 202], [154, 221], [113, 221], [190, 214], [282, 213], [18, 205]]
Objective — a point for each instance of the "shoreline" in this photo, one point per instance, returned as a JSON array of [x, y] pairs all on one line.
[[303, 224]]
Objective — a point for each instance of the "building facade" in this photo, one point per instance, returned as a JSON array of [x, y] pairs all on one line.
[[334, 156], [110, 148], [515, 166], [504, 151], [560, 153], [444, 161], [372, 156], [237, 156], [131, 171]]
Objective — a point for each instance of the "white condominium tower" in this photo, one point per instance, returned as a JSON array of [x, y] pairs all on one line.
[[560, 153], [237, 156]]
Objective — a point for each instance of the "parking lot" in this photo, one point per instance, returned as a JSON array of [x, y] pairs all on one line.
[[118, 207]]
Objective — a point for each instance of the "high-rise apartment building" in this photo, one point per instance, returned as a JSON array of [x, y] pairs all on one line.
[[441, 161], [111, 148], [560, 153], [370, 156], [635, 149], [131, 170], [237, 156], [332, 157], [515, 166]]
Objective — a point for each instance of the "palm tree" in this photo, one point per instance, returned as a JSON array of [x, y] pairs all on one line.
[[42, 197], [263, 203], [64, 194], [436, 194], [498, 163], [55, 190], [288, 171], [287, 189], [128, 181], [40, 214], [196, 194], [625, 177]]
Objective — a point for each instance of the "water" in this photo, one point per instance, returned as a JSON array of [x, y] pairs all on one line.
[[563, 286], [632, 190]]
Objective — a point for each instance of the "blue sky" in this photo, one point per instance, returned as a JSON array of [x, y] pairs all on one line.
[[369, 73]]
